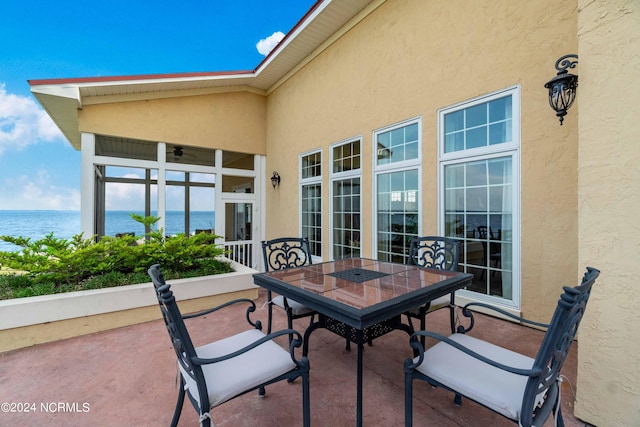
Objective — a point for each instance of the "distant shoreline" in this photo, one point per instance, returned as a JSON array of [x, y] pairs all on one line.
[[76, 210], [35, 224]]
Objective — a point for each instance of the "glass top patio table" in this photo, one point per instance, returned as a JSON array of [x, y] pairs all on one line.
[[365, 294], [359, 291]]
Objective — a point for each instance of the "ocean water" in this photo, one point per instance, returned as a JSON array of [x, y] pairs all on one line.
[[66, 224]]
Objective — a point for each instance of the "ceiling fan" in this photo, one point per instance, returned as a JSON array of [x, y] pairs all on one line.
[[177, 153]]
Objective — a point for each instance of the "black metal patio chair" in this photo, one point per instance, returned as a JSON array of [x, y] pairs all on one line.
[[441, 253], [279, 254], [222, 370], [520, 388]]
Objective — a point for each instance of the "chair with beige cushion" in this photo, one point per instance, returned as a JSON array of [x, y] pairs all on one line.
[[441, 253], [524, 390], [279, 254], [214, 373]]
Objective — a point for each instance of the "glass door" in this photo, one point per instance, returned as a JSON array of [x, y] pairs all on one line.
[[239, 231]]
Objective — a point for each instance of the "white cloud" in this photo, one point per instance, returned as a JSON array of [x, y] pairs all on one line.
[[25, 192], [265, 46], [123, 196], [23, 122]]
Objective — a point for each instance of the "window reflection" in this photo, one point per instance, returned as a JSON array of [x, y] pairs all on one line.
[[478, 212]]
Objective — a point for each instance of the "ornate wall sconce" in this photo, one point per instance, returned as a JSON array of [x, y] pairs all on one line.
[[563, 87], [275, 179]]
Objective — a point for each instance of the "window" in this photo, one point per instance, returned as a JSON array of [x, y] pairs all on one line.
[[479, 187], [481, 125], [312, 166], [345, 199], [397, 179], [398, 144], [311, 200]]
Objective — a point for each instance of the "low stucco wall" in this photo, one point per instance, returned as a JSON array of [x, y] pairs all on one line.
[[28, 321]]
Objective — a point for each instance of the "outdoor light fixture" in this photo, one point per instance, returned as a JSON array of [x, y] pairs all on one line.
[[275, 179], [562, 88]]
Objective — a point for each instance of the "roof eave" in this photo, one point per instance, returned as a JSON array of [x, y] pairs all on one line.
[[61, 102], [61, 98]]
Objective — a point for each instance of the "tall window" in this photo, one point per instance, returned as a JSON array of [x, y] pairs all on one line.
[[345, 199], [311, 200], [479, 145], [397, 178]]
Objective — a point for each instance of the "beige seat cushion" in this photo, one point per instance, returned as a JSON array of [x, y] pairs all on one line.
[[436, 304], [231, 377], [499, 390], [296, 308]]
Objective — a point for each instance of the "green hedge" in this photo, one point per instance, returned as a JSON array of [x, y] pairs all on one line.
[[52, 265]]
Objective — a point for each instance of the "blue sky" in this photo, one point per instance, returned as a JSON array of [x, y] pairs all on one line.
[[44, 39]]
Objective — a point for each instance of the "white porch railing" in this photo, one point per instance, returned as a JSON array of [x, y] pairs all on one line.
[[240, 251]]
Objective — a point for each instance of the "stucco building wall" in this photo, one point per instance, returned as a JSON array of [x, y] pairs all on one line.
[[409, 59], [608, 392], [232, 121], [406, 59]]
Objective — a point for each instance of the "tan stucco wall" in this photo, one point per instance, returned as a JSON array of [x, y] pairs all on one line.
[[410, 58], [608, 392], [232, 121]]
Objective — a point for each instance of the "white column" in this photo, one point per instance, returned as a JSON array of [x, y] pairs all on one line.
[[219, 205], [259, 217], [162, 185], [87, 184]]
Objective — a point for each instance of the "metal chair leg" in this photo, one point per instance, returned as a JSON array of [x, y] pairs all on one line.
[[457, 400], [306, 401], [423, 326], [452, 317], [179, 403], [408, 399], [269, 312]]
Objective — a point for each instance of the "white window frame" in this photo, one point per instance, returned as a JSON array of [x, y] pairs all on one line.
[[310, 181], [405, 165], [511, 149], [340, 176]]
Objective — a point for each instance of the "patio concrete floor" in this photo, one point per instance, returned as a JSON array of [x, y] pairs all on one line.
[[127, 377]]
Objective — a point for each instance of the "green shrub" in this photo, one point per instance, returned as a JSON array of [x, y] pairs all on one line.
[[55, 265]]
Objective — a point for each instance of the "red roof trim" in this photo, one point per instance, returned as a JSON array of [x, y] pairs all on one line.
[[134, 77], [104, 79]]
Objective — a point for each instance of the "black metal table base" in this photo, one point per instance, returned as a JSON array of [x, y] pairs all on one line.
[[358, 337]]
